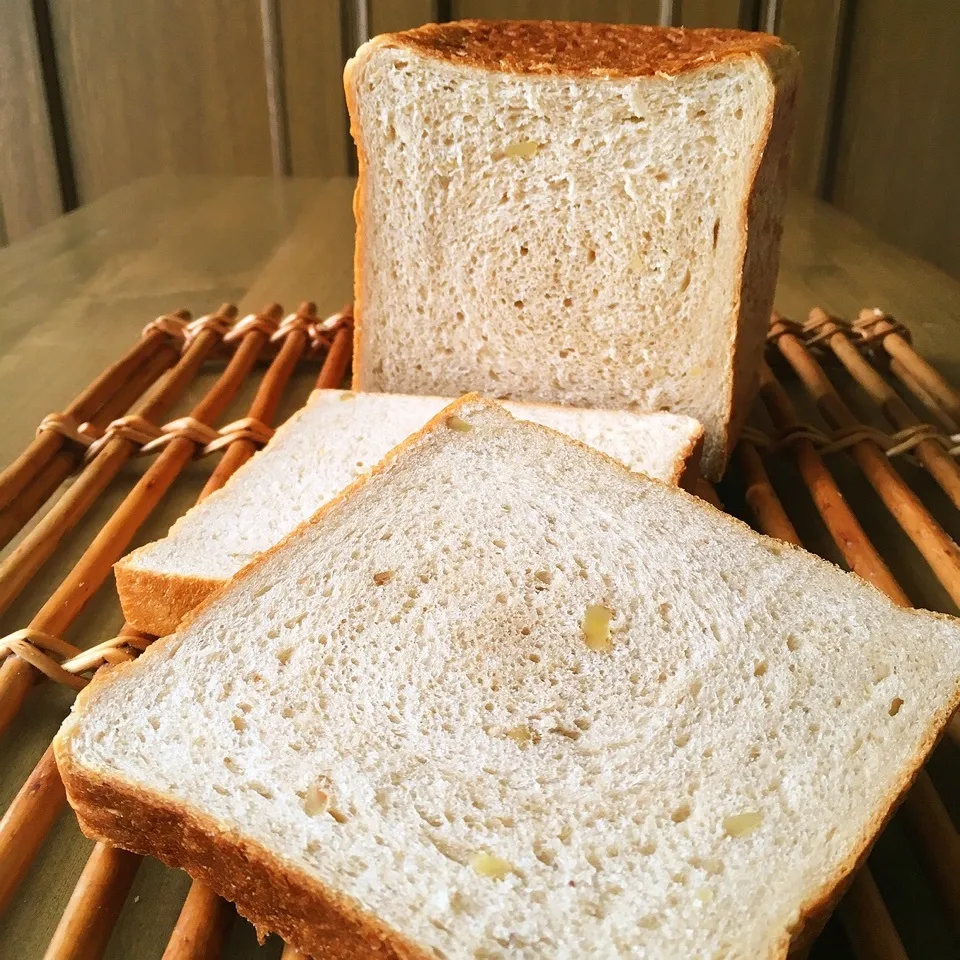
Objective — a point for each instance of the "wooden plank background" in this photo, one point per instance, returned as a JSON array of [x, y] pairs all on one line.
[[29, 186], [180, 86]]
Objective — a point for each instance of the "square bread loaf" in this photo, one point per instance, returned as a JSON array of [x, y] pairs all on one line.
[[575, 213], [336, 437], [504, 698]]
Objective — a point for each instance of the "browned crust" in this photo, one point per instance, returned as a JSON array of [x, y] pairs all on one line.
[[761, 225], [156, 602], [688, 471], [561, 48], [275, 896], [278, 896], [359, 361]]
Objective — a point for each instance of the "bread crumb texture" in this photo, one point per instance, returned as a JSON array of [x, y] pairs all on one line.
[[585, 715], [560, 212]]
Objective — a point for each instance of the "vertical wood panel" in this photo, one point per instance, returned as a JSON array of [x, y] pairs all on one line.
[[814, 28], [313, 59], [604, 11], [710, 13], [162, 86], [29, 187], [388, 16], [898, 155]]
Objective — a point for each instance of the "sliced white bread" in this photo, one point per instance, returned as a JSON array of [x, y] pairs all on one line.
[[336, 437], [505, 698], [578, 213]]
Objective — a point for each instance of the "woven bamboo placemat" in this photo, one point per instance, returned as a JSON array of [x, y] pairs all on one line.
[[851, 451]]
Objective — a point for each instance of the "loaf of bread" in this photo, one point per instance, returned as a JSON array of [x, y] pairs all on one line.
[[314, 455], [505, 698], [577, 213]]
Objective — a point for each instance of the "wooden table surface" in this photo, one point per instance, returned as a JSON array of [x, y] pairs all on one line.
[[74, 296]]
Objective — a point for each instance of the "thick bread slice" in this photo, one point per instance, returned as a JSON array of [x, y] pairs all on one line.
[[405, 731], [579, 213], [321, 449]]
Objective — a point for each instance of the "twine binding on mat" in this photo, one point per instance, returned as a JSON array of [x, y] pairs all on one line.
[[320, 333], [870, 326], [874, 324], [892, 444], [82, 434], [251, 322], [37, 648], [173, 326], [151, 438]]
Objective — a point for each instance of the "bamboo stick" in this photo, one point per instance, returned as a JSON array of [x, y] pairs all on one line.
[[46, 444], [205, 918], [86, 577], [862, 911], [841, 522], [946, 422], [64, 462], [27, 822], [337, 360], [264, 406], [39, 544], [762, 499], [899, 348], [937, 548], [202, 926], [941, 466], [867, 923], [933, 833], [937, 842], [96, 903]]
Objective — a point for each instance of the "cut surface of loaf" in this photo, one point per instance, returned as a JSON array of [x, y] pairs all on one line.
[[577, 213], [336, 437], [505, 698]]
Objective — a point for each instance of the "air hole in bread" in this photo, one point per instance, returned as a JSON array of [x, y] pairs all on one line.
[[681, 813], [895, 706], [262, 789], [792, 643], [760, 668], [716, 232]]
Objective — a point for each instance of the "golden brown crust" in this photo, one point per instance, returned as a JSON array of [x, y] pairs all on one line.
[[156, 602], [761, 226], [688, 473], [276, 895], [559, 48], [358, 245]]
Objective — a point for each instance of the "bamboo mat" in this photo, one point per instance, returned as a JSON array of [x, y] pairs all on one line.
[[851, 450]]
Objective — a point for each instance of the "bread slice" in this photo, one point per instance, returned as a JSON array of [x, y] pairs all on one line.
[[505, 698], [337, 436], [578, 213]]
